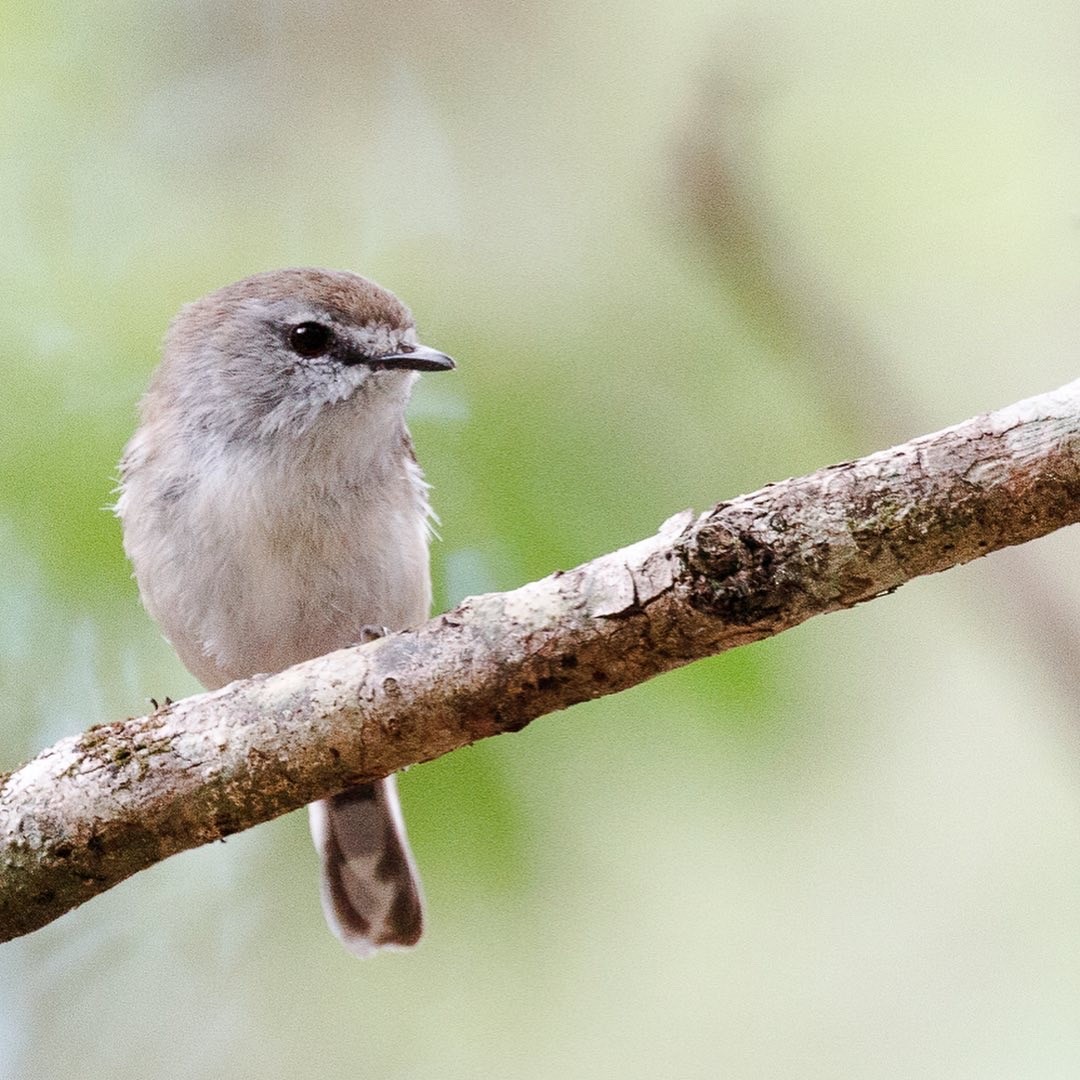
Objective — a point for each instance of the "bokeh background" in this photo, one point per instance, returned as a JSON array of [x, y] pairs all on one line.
[[680, 250]]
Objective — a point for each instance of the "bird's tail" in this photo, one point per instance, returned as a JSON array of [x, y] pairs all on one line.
[[370, 888]]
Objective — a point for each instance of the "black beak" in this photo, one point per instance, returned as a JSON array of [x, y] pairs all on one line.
[[414, 358]]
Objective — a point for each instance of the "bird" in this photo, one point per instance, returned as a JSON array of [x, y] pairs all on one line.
[[273, 510]]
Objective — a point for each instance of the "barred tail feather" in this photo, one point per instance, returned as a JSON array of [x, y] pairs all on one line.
[[370, 888]]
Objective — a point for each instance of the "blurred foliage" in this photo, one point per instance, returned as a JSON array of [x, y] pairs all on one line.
[[679, 251]]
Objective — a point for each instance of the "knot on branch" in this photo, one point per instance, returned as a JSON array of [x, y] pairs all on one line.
[[732, 574]]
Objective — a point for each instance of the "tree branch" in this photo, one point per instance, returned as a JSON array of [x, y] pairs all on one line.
[[97, 807]]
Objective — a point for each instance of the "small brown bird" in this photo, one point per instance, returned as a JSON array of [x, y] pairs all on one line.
[[273, 509]]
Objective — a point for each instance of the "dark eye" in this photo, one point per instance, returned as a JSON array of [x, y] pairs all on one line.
[[310, 339]]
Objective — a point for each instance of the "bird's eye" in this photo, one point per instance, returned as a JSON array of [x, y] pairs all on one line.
[[310, 339]]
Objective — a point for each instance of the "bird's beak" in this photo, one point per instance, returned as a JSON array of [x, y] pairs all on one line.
[[414, 358]]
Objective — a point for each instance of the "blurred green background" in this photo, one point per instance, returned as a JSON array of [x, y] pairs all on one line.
[[679, 251]]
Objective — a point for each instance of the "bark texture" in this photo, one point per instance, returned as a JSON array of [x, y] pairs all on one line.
[[100, 806]]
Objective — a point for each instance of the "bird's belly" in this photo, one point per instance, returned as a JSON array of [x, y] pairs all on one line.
[[270, 604]]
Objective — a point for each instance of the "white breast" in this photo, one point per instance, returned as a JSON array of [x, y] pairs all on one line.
[[249, 570]]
